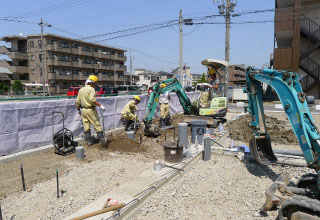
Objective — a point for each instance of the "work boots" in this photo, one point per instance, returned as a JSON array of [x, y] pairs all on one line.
[[99, 135], [162, 122], [129, 125], [88, 138]]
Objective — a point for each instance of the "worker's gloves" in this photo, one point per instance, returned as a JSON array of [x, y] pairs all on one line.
[[102, 108], [79, 112]]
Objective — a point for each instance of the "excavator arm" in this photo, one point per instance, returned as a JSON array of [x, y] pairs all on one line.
[[294, 102], [303, 200], [172, 85]]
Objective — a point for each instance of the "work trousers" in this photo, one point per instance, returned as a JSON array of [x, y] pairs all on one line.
[[90, 116], [164, 111], [204, 99], [129, 116]]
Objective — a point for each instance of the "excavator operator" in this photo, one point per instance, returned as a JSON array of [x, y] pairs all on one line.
[[214, 85]]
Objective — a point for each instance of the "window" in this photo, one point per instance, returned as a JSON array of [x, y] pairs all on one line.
[[96, 61], [65, 72], [64, 45], [113, 53], [120, 55], [39, 43], [87, 61], [64, 58], [33, 57], [75, 45], [145, 77], [86, 73], [75, 59], [108, 74], [52, 56], [52, 41], [105, 63], [96, 49], [105, 52], [53, 70], [33, 71], [40, 57], [76, 72], [120, 75], [31, 44], [86, 48]]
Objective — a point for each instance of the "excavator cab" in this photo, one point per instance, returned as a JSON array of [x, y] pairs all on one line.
[[212, 103]]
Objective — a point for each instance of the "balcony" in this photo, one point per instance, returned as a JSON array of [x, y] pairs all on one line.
[[63, 63], [18, 69], [121, 58], [55, 47], [76, 64], [104, 55], [13, 55], [122, 68], [85, 53], [87, 65], [106, 67]]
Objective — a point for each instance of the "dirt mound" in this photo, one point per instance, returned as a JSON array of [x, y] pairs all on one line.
[[280, 131]]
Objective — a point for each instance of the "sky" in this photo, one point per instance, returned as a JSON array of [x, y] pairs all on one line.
[[155, 47]]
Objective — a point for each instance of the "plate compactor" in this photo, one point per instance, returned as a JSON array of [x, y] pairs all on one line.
[[63, 140]]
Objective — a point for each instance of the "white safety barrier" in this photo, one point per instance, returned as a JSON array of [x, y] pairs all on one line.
[[317, 107], [28, 125]]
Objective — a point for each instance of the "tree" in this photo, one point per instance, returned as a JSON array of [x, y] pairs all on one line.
[[17, 86], [202, 80], [4, 87]]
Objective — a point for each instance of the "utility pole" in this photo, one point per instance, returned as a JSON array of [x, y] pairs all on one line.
[[130, 68], [226, 10], [43, 57], [181, 47]]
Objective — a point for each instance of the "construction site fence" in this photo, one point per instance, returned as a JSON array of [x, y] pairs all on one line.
[[21, 96], [29, 124]]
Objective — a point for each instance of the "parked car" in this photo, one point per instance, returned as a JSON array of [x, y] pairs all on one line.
[[128, 89], [150, 90], [106, 91], [73, 91]]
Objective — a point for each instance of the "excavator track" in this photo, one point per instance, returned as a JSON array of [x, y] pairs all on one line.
[[300, 208]]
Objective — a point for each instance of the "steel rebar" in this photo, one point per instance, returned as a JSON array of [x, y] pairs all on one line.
[[57, 175], [22, 177]]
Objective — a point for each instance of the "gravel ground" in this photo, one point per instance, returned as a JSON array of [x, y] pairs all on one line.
[[222, 188]]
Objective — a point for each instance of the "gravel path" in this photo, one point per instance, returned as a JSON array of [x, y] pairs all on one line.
[[223, 188], [82, 185]]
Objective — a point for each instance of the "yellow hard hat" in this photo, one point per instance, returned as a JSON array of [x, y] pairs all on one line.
[[163, 85], [137, 98], [211, 71], [93, 78]]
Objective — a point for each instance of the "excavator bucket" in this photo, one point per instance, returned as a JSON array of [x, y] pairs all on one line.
[[261, 150]]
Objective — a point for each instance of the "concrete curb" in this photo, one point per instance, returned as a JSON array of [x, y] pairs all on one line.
[[47, 148]]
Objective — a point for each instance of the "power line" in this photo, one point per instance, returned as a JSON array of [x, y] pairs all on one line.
[[155, 58], [113, 12], [51, 9], [130, 29]]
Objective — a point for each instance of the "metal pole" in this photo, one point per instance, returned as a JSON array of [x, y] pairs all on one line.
[[181, 47], [0, 212], [57, 176], [130, 68], [227, 18], [42, 56]]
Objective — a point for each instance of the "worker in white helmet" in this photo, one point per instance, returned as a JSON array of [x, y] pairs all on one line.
[[86, 105], [164, 107]]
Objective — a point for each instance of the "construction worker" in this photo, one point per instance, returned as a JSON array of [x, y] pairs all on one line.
[[164, 107], [214, 82], [128, 113], [86, 105], [214, 85]]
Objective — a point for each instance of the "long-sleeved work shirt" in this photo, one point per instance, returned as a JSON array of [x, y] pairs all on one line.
[[130, 107], [86, 97]]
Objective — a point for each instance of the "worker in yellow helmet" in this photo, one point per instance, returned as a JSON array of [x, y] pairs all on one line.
[[86, 105], [128, 113], [164, 107]]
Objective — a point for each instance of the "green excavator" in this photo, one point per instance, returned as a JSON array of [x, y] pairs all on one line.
[[213, 113]]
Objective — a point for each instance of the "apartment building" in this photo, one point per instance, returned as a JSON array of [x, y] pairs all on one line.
[[297, 41], [62, 62], [237, 75]]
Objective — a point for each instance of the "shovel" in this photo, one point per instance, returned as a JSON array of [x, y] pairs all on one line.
[[104, 139]]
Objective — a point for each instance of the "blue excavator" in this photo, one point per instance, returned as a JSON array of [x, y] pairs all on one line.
[[299, 201]]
